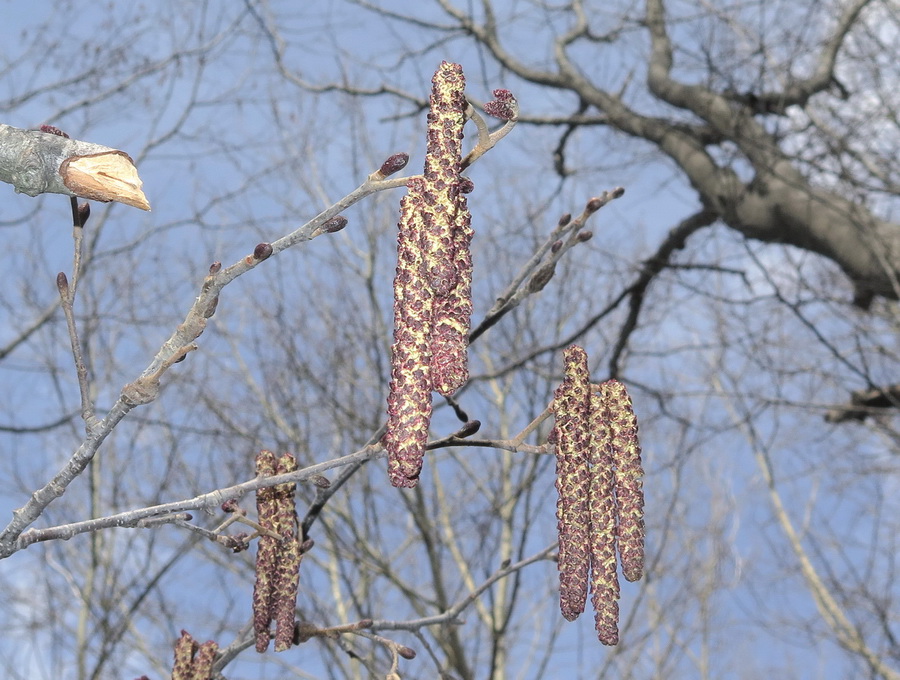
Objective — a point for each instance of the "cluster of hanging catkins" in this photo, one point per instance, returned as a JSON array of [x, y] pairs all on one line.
[[432, 287], [193, 661], [601, 499], [277, 559]]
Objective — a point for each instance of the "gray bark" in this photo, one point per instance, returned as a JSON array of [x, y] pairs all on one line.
[[30, 159]]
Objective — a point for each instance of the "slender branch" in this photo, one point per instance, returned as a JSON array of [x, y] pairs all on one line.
[[452, 614], [146, 387]]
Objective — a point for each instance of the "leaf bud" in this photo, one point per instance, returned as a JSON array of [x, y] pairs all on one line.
[[334, 224], [406, 652], [53, 130], [262, 252], [84, 212], [393, 164], [556, 246], [320, 481], [215, 267], [62, 283], [585, 236]]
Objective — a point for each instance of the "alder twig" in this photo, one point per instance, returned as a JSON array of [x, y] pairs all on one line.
[[451, 615], [145, 388], [537, 268], [212, 499]]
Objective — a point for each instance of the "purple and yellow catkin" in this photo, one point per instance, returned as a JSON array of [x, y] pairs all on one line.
[[266, 552], [203, 661], [184, 655], [286, 578], [452, 314], [448, 232], [604, 577], [443, 158], [432, 286], [572, 426], [409, 399], [626, 454]]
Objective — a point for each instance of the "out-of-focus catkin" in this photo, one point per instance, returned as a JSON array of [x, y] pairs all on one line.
[[277, 559], [287, 571], [572, 428], [266, 552]]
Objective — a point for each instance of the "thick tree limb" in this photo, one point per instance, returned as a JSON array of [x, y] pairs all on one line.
[[37, 162]]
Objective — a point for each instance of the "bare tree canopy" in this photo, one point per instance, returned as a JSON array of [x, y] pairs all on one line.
[[701, 195]]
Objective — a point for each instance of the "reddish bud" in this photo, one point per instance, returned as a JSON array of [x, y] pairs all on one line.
[[334, 224], [307, 545], [215, 267], [468, 429], [237, 543], [617, 192], [52, 130], [84, 212], [230, 506], [565, 219], [262, 252], [594, 205], [556, 246], [394, 163], [320, 481], [406, 652], [364, 623], [62, 283], [585, 236]]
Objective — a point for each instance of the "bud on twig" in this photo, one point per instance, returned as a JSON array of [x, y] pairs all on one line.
[[263, 251], [394, 163], [333, 225]]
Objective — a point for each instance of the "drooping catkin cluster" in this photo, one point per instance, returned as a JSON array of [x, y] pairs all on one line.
[[277, 559], [601, 500], [573, 438], [432, 287], [193, 661]]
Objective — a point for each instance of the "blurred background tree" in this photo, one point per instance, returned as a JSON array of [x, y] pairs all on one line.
[[745, 288]]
